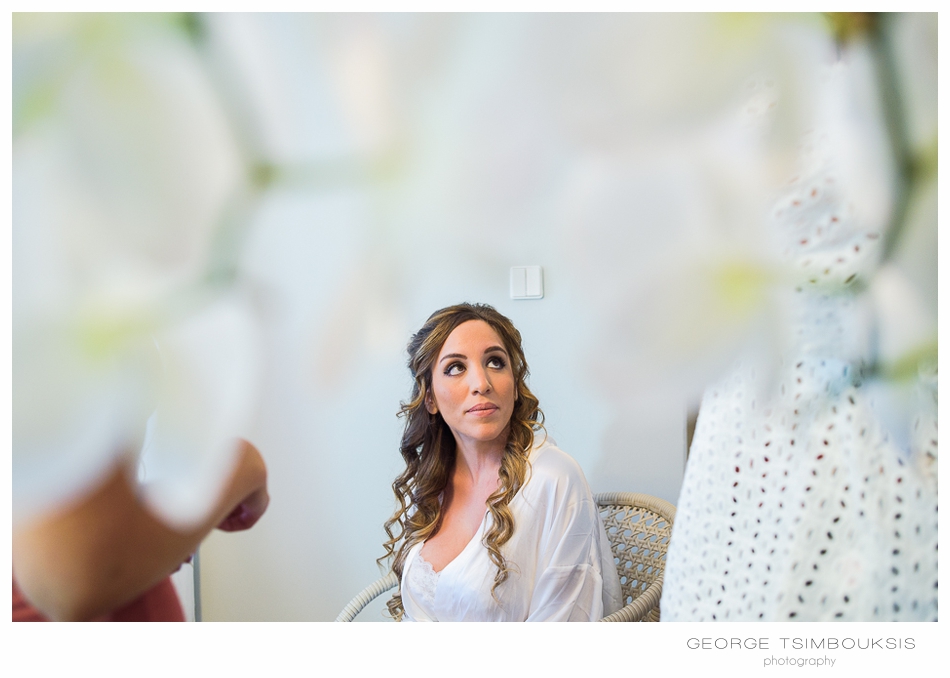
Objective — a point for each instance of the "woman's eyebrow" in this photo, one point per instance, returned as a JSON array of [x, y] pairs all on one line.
[[490, 349]]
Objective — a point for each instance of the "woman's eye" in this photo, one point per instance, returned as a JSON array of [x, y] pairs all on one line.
[[454, 369], [496, 362]]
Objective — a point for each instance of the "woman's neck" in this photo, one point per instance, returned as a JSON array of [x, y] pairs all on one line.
[[479, 461]]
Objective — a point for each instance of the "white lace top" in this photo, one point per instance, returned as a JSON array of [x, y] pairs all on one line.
[[423, 579]]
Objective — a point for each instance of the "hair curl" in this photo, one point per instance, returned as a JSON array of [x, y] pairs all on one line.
[[428, 446]]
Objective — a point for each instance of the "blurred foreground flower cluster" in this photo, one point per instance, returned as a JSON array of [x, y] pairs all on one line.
[[123, 171]]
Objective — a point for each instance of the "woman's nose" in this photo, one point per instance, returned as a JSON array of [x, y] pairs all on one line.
[[479, 381]]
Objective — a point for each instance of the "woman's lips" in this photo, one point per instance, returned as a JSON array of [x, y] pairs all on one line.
[[483, 410]]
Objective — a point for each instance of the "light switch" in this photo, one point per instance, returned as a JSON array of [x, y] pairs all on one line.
[[519, 282], [526, 282]]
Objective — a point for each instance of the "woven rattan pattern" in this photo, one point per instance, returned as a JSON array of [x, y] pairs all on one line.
[[638, 527]]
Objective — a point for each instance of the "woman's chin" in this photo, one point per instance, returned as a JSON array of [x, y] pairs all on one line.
[[481, 435]]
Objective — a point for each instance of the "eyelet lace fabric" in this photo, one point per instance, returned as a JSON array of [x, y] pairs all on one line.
[[803, 508], [797, 502]]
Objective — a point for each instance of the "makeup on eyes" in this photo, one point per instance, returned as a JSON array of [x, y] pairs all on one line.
[[494, 354]]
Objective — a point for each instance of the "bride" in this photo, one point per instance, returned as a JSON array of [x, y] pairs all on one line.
[[492, 524]]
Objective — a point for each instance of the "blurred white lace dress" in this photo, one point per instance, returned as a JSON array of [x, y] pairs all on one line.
[[798, 503]]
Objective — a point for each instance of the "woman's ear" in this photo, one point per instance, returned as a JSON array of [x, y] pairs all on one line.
[[430, 404]]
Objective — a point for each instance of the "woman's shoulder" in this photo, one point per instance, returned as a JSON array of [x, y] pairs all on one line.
[[550, 463], [555, 481]]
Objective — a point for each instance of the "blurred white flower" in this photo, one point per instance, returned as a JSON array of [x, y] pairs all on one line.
[[312, 88], [905, 328], [747, 217], [122, 166]]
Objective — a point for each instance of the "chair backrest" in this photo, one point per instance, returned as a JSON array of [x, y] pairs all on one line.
[[638, 527]]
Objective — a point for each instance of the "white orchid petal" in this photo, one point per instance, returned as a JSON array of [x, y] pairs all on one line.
[[207, 398], [904, 325], [79, 404]]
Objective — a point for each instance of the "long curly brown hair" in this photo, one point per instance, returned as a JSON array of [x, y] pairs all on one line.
[[428, 446]]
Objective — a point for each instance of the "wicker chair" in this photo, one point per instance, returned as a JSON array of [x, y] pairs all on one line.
[[639, 528]]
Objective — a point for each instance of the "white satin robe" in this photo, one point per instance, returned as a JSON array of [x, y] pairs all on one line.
[[562, 566]]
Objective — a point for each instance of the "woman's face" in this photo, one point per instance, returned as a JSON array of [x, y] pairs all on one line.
[[473, 386]]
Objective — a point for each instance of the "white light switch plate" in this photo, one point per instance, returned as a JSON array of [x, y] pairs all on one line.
[[527, 282]]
